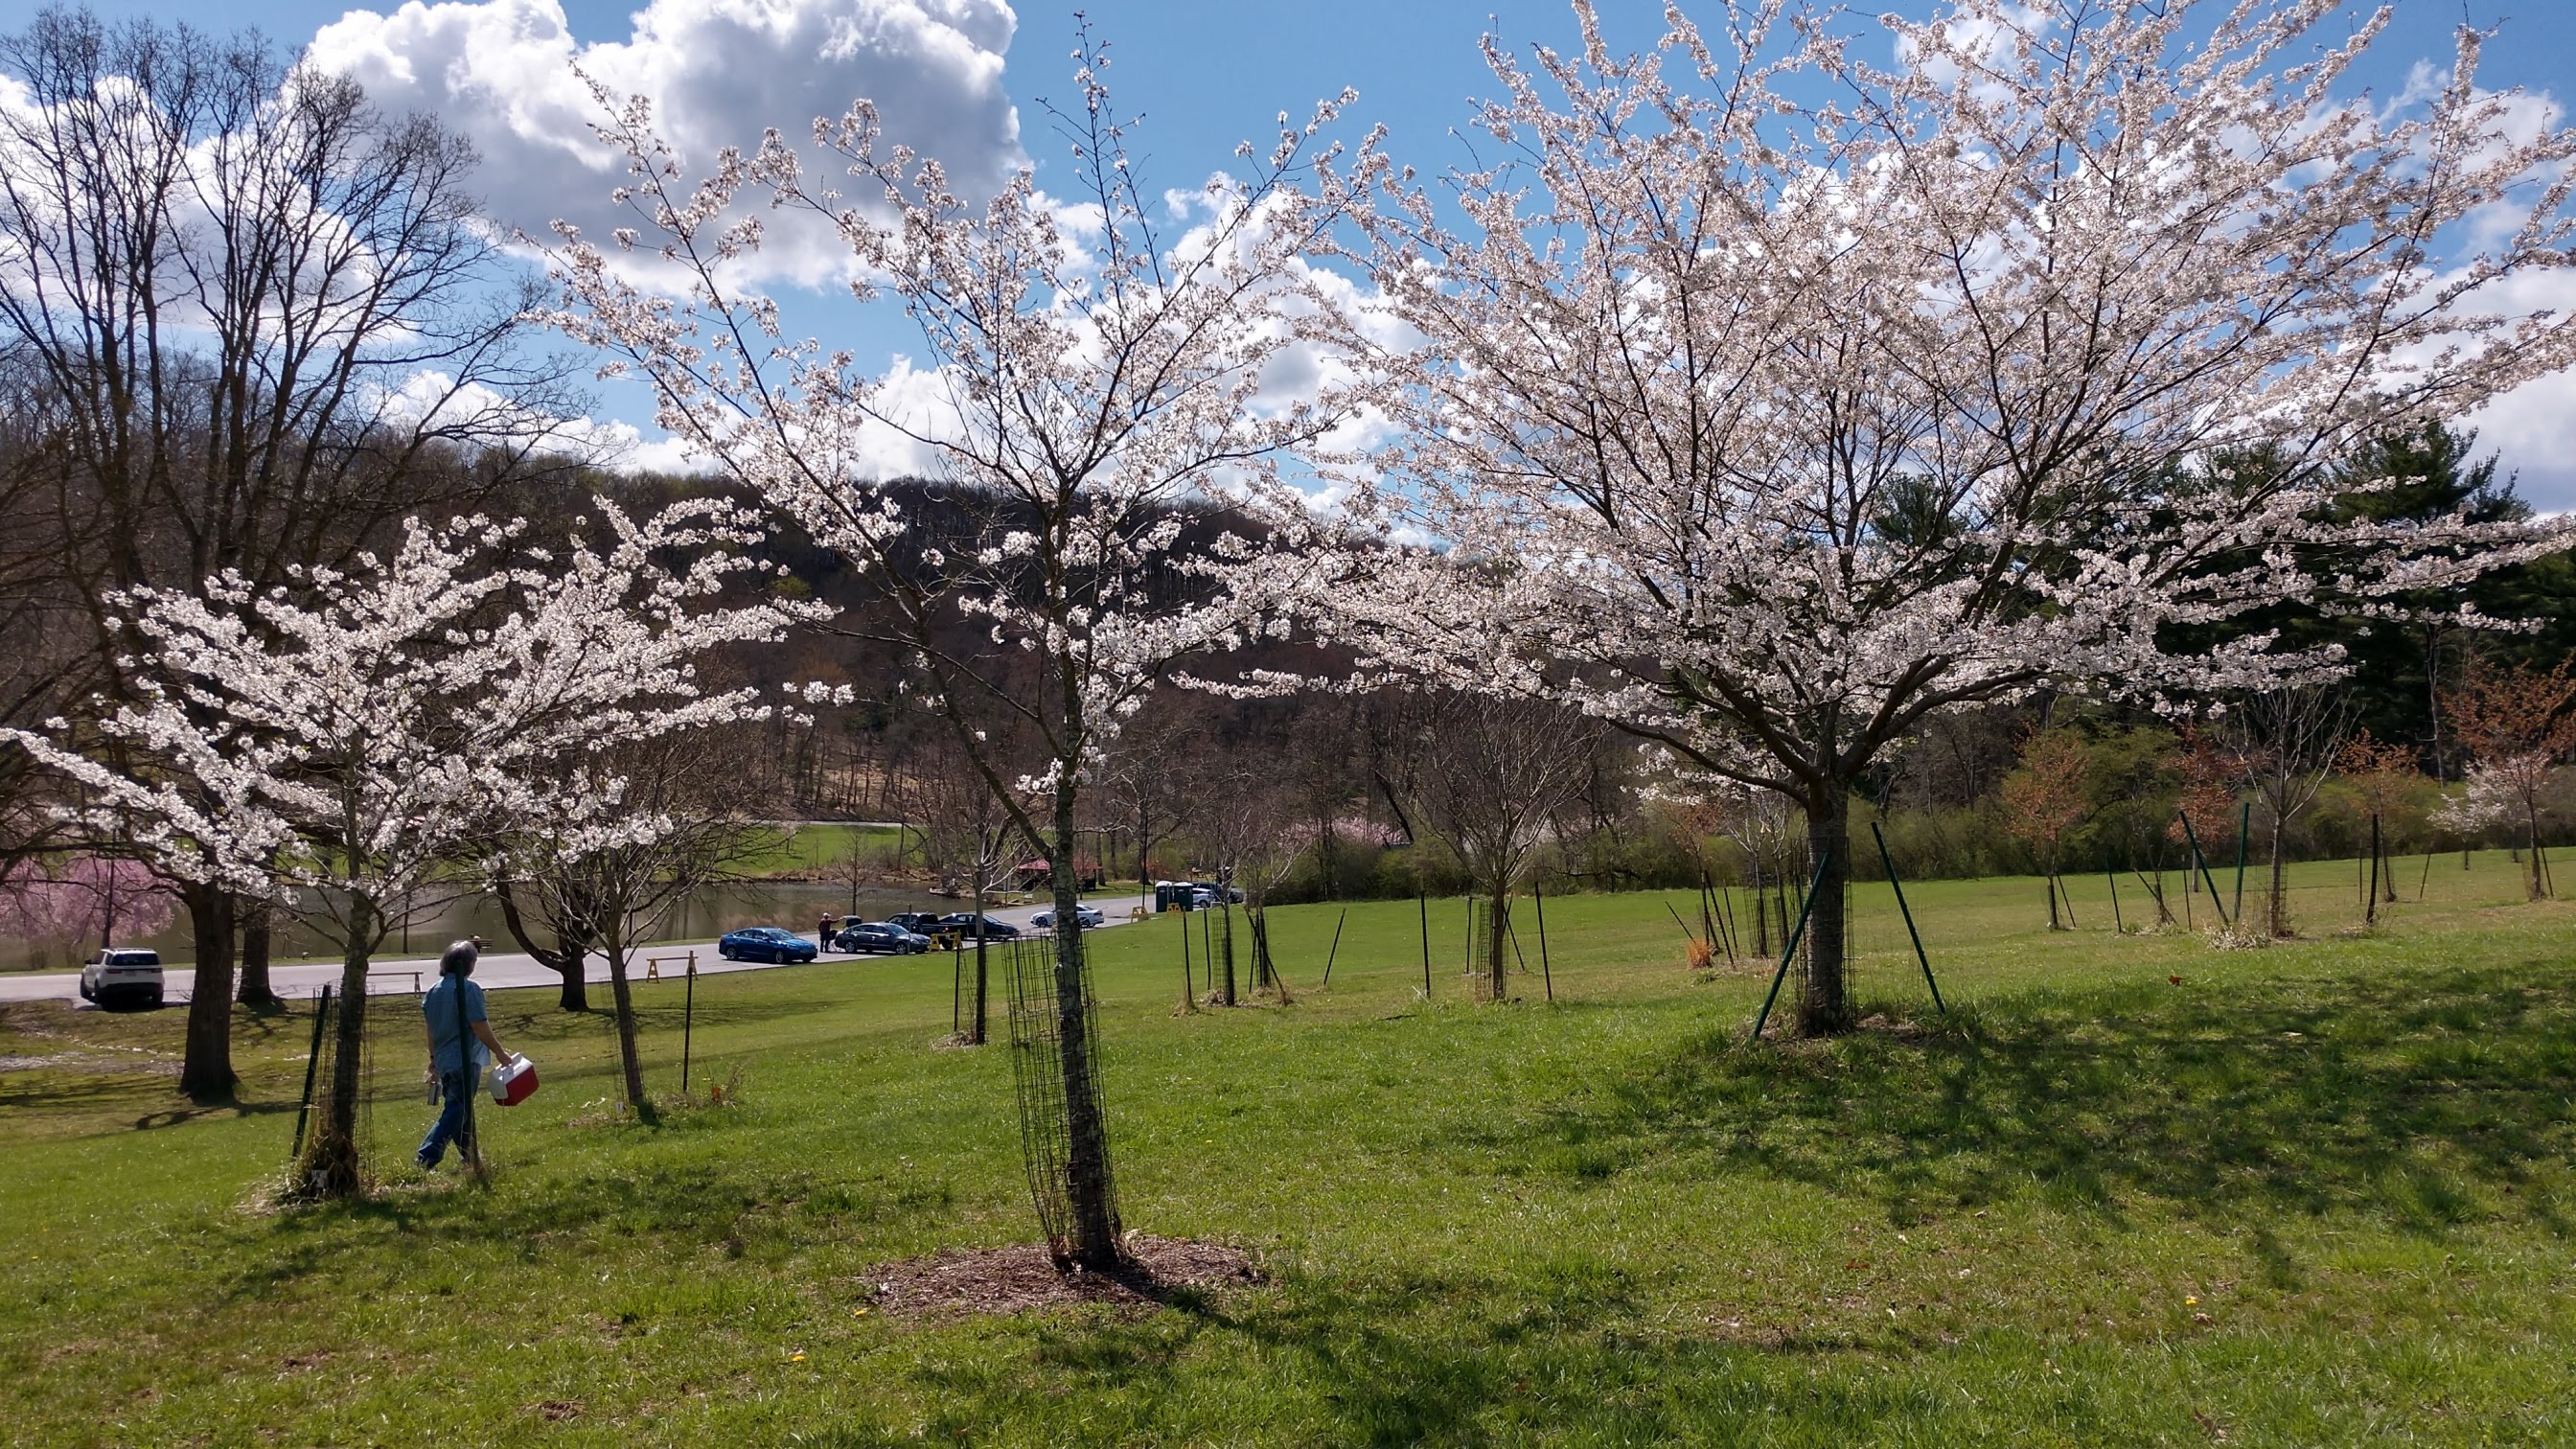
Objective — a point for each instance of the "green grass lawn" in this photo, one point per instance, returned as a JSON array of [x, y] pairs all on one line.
[[2318, 1193], [806, 849]]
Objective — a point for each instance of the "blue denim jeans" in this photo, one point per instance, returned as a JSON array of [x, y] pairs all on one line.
[[453, 1090]]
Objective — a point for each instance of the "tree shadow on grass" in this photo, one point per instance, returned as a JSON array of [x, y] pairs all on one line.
[[2425, 1098], [1560, 1353], [705, 1206]]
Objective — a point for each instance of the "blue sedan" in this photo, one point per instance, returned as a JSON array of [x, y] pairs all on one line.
[[765, 943]]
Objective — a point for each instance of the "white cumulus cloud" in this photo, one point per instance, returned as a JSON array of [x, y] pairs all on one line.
[[719, 72]]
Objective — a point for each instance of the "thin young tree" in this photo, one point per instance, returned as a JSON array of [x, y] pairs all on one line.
[[970, 841], [1764, 825], [1791, 399], [1246, 821], [2205, 809], [2517, 723], [1493, 771], [2045, 799], [2383, 775], [2285, 741], [1095, 364], [639, 826]]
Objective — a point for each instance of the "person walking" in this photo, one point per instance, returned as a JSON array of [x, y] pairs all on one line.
[[449, 1060]]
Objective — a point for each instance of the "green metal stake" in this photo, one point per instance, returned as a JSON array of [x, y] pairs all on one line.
[[2244, 827], [1538, 898], [1908, 912], [1790, 951], [1422, 904], [312, 1065], [688, 1021], [2201, 862], [1338, 922], [2118, 928]]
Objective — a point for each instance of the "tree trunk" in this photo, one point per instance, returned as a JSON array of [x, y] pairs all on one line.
[[256, 920], [2370, 899], [2052, 904], [1263, 968], [1761, 916], [1225, 994], [1497, 921], [1824, 1000], [975, 1027], [206, 1074], [565, 960], [613, 943], [1227, 907], [573, 991], [2278, 910], [1088, 1185], [2531, 826], [331, 1165]]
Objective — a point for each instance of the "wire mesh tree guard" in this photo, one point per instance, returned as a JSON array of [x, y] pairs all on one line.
[[1055, 1065], [377, 1081]]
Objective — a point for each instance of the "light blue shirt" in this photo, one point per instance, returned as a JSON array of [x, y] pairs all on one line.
[[438, 1004]]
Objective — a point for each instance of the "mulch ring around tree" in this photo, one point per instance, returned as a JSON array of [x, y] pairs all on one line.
[[966, 1282]]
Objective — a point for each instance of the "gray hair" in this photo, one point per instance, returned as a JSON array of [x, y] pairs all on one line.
[[459, 960]]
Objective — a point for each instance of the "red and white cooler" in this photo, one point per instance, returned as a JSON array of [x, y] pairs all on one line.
[[514, 1081]]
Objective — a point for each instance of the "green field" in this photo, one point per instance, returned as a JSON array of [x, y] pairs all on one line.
[[810, 849], [2319, 1193]]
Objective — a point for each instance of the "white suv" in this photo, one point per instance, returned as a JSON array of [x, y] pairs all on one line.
[[122, 975]]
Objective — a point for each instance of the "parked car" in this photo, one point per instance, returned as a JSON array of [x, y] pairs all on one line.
[[1084, 917], [123, 976], [881, 936], [1215, 892], [765, 943], [920, 923], [963, 923]]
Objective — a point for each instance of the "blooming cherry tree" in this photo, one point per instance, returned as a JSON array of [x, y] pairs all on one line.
[[334, 747], [1093, 374], [1769, 401]]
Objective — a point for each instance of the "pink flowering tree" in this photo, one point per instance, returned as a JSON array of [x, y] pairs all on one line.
[[87, 897], [1769, 401], [353, 739], [1091, 376]]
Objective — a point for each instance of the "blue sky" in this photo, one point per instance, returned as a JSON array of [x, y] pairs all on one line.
[[1205, 75]]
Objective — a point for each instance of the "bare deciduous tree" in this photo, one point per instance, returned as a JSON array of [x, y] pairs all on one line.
[[2284, 741], [970, 842], [1491, 773], [672, 825]]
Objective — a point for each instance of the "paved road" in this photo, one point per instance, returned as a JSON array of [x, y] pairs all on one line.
[[497, 970]]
